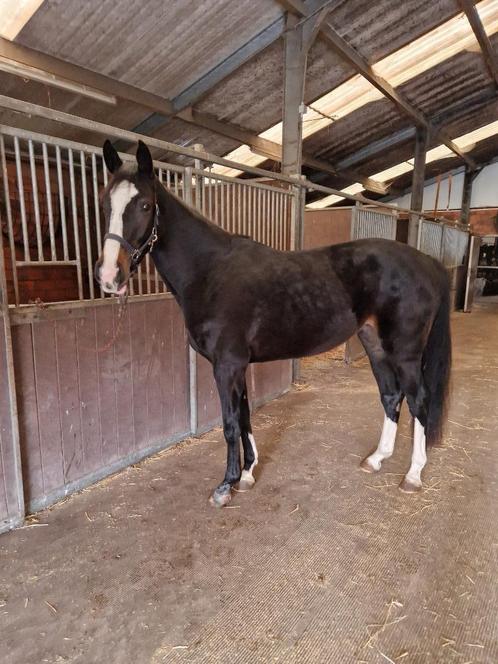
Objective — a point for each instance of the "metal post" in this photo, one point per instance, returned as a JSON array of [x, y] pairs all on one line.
[[18, 518], [418, 181], [468, 181], [199, 181], [192, 355], [297, 242], [294, 75]]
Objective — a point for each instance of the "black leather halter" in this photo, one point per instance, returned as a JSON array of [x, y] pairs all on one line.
[[137, 254]]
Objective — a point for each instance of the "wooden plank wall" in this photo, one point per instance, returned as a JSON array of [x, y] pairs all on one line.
[[84, 413]]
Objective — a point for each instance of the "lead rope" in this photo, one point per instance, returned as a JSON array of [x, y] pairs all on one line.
[[123, 302]]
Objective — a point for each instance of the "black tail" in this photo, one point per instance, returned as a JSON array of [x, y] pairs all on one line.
[[437, 368]]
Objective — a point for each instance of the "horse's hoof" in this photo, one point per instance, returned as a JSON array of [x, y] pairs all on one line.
[[367, 467], [409, 487], [220, 498], [246, 482]]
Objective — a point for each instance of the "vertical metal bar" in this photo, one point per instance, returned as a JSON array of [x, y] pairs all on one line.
[[20, 188], [243, 218], [258, 214], [168, 179], [147, 270], [160, 175], [175, 176], [278, 220], [222, 204], [210, 194], [233, 219], [89, 259], [75, 224], [36, 206], [192, 356], [15, 446], [139, 279], [238, 203], [8, 212], [48, 191], [286, 223], [216, 202], [420, 230], [60, 181], [96, 207]]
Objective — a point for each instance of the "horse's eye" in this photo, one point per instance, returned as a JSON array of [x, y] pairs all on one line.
[[146, 207]]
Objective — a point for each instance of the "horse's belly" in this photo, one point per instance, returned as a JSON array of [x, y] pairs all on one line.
[[286, 339]]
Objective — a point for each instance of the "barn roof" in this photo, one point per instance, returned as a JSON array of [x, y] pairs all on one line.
[[212, 73]]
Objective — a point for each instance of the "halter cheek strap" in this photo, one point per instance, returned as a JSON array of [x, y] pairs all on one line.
[[137, 254]]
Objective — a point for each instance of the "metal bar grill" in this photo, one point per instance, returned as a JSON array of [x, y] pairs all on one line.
[[66, 177], [447, 244], [368, 223]]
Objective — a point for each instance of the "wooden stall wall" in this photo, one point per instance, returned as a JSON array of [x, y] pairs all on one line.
[[88, 407], [324, 227]]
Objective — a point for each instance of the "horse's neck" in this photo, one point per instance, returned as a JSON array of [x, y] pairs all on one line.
[[187, 243]]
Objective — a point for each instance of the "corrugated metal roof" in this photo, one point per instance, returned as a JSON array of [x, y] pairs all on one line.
[[164, 47], [159, 46]]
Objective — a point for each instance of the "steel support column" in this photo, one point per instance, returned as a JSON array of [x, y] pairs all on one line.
[[418, 181]]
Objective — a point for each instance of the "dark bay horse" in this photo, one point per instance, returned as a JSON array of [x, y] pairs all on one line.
[[245, 302]]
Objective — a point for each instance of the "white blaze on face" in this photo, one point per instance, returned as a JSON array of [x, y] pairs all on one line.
[[121, 195]]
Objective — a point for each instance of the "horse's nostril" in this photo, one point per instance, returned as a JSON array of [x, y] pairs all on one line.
[[108, 285]]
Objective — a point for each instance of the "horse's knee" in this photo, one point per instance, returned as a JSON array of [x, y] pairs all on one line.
[[391, 402]]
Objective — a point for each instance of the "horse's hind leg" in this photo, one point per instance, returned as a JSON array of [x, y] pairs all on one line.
[[412, 383], [390, 394], [248, 443]]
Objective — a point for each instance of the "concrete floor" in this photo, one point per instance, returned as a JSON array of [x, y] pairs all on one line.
[[319, 563]]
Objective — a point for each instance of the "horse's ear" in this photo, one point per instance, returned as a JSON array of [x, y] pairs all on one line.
[[111, 157], [144, 160]]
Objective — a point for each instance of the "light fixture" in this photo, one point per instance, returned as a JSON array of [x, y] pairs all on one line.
[[14, 14], [34, 74]]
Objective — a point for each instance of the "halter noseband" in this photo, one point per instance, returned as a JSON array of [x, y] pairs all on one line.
[[137, 253]]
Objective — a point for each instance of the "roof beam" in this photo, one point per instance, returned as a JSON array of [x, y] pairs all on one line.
[[445, 117], [163, 107], [488, 53], [274, 150], [31, 58], [355, 60]]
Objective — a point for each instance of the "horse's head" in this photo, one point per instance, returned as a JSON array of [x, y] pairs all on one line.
[[129, 203]]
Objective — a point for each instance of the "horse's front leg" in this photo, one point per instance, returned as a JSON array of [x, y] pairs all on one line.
[[230, 380]]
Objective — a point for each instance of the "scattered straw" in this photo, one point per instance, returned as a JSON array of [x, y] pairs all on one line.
[[379, 628], [471, 580], [295, 509], [51, 606], [88, 517], [232, 507], [474, 645]]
